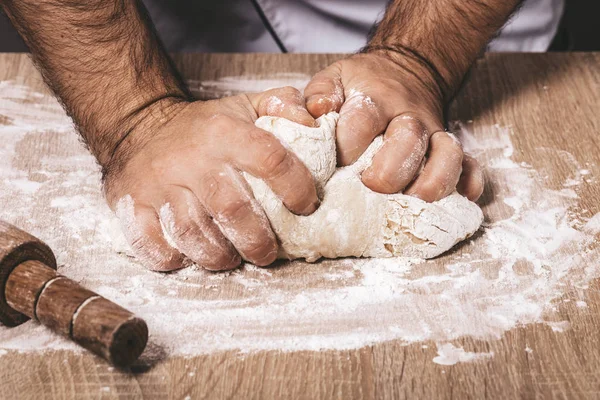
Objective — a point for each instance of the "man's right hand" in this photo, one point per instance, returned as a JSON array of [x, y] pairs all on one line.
[[181, 168]]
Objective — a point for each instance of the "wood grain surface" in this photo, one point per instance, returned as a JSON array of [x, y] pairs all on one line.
[[550, 101]]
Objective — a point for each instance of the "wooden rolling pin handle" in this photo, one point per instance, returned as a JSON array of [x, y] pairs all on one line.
[[99, 325]]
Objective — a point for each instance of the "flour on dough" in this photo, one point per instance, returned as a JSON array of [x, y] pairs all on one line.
[[352, 219]]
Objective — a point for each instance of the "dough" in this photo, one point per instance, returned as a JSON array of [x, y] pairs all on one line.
[[352, 219]]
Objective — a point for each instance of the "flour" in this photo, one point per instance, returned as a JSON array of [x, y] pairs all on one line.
[[274, 105], [536, 245], [234, 85], [450, 355], [357, 101], [593, 225]]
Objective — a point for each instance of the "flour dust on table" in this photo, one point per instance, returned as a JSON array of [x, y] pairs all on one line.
[[537, 246]]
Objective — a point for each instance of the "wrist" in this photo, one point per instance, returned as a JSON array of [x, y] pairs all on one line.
[[415, 65], [138, 129], [445, 36], [436, 75], [107, 119]]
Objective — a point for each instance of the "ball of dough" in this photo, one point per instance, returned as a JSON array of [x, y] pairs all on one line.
[[352, 219]]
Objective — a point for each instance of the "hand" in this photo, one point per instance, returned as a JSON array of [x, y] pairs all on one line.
[[181, 169], [385, 92]]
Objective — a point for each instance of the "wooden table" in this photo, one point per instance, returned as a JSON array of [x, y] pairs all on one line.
[[550, 101]]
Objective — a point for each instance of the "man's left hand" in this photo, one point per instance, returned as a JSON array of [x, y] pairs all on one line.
[[386, 92]]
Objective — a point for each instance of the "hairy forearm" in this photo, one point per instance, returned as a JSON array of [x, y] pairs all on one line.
[[103, 60], [443, 36]]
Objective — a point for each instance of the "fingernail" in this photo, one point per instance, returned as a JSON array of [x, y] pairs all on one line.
[[268, 259], [322, 104], [235, 262]]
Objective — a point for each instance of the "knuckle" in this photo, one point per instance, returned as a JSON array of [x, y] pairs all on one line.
[[456, 154], [290, 91], [220, 123], [318, 82], [456, 157], [372, 124], [449, 147], [236, 210], [471, 163], [275, 161], [158, 166], [184, 231], [452, 142], [412, 124], [358, 125], [211, 187]]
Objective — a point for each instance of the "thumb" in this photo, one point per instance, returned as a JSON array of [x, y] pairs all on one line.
[[325, 92]]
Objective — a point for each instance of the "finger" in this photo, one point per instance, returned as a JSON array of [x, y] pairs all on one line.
[[228, 200], [286, 102], [195, 234], [143, 231], [325, 92], [471, 181], [262, 155], [442, 168], [361, 120], [399, 159]]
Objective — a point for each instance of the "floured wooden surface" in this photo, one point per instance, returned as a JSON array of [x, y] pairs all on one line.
[[538, 248]]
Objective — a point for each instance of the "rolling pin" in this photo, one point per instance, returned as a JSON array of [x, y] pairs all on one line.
[[30, 287]]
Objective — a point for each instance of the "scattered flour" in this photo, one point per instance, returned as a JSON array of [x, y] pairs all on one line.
[[533, 248], [581, 304], [233, 85], [448, 354], [593, 225], [559, 326]]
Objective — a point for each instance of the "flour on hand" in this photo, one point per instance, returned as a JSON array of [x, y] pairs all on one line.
[[352, 219]]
